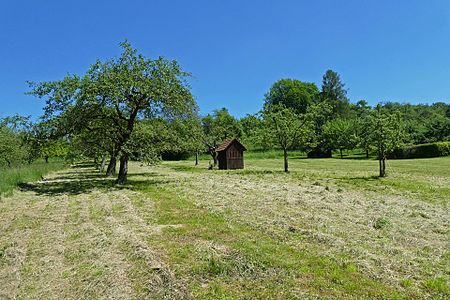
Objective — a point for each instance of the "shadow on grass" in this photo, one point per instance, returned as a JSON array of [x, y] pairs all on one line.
[[85, 181], [188, 168], [357, 158], [82, 165], [361, 179]]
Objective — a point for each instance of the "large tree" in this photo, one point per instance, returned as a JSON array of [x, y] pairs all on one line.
[[121, 90], [334, 92], [292, 93]]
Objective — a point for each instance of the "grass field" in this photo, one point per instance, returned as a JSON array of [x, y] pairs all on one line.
[[328, 229], [10, 178]]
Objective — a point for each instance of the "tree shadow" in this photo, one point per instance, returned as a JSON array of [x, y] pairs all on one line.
[[361, 179], [85, 180], [357, 158]]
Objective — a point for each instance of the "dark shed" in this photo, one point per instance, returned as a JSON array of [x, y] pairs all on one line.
[[231, 155]]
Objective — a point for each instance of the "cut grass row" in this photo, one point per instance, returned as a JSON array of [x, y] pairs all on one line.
[[223, 259]]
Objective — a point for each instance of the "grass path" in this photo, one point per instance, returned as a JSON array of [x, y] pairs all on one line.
[[86, 242]]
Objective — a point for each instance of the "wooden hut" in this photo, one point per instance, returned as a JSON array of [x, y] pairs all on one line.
[[231, 155]]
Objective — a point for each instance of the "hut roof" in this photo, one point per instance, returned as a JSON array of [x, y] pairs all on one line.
[[227, 144]]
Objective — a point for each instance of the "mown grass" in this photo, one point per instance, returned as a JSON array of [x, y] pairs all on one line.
[[426, 179], [10, 178], [294, 154], [222, 259], [398, 220], [329, 229]]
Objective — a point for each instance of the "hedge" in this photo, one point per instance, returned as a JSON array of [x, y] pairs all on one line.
[[422, 150]]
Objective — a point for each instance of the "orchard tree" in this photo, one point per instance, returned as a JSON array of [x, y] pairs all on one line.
[[218, 127], [387, 134], [121, 90], [341, 134], [11, 147], [252, 126], [287, 129], [363, 126], [293, 94], [190, 136]]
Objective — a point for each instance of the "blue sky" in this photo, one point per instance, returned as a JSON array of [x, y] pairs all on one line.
[[383, 50]]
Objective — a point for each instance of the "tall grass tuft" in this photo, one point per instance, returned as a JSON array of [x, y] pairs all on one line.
[[10, 178]]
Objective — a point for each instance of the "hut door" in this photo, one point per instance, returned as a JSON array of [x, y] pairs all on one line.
[[234, 158]]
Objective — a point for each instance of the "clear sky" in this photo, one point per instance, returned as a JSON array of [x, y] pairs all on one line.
[[384, 50]]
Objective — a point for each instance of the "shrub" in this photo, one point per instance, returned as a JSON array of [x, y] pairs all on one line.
[[422, 151]]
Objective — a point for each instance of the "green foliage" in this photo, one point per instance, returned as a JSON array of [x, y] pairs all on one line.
[[116, 93], [424, 123], [220, 126], [286, 128], [293, 94], [334, 92], [340, 134], [422, 151], [12, 151], [252, 128], [387, 131]]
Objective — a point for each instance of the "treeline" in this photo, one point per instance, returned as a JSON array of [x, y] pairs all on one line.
[[339, 123], [298, 115], [132, 107], [23, 142]]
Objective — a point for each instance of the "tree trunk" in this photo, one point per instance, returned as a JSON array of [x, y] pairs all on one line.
[[340, 151], [367, 153], [286, 165], [196, 158], [102, 165], [46, 159], [96, 163], [123, 169], [215, 159], [382, 162], [111, 170]]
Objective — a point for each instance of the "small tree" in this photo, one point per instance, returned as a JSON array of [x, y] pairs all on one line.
[[11, 149], [340, 134], [363, 126], [287, 129], [218, 127], [387, 134]]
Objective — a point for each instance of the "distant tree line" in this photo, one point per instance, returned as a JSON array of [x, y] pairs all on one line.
[[132, 107]]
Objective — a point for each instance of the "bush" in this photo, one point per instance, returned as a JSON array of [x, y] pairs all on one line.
[[422, 151]]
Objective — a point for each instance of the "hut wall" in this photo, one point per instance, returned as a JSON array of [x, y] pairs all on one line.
[[234, 157], [222, 158]]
